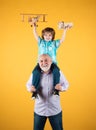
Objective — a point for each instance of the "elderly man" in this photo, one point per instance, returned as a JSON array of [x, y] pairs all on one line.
[[47, 105]]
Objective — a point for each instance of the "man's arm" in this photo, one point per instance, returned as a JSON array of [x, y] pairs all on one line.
[[29, 85], [63, 85]]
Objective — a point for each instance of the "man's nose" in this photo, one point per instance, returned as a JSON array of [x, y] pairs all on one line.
[[44, 63]]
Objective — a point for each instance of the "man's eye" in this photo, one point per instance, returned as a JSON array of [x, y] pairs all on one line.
[[46, 60]]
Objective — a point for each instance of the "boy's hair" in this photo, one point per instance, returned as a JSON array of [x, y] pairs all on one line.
[[48, 29]]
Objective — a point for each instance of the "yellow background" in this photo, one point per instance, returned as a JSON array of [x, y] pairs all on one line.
[[76, 58]]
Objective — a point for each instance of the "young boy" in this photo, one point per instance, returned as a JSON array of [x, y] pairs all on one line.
[[47, 45]]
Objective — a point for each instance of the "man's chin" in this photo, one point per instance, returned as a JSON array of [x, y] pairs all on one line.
[[45, 69]]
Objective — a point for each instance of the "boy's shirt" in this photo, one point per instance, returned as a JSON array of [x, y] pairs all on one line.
[[49, 48]]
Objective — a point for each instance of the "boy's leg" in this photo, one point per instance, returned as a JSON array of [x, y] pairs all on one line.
[[56, 76], [39, 122], [36, 79], [36, 76], [56, 122]]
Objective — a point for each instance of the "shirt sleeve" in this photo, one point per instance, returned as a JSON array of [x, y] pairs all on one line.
[[63, 81], [39, 40], [57, 43], [29, 83]]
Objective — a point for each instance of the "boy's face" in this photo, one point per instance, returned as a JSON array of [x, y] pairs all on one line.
[[47, 36]]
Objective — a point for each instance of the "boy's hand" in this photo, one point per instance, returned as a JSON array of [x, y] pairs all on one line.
[[63, 25], [33, 20], [68, 25]]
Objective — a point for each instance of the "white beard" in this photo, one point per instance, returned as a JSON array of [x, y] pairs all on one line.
[[46, 68]]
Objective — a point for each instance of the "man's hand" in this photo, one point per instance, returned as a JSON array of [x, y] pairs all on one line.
[[32, 89], [58, 87]]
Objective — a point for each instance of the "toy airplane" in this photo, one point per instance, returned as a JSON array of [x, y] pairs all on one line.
[[62, 25], [36, 17]]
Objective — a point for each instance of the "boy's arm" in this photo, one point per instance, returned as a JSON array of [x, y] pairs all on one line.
[[66, 27], [35, 31], [32, 22], [63, 35]]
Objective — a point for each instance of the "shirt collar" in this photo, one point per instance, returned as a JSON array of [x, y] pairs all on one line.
[[45, 73]]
